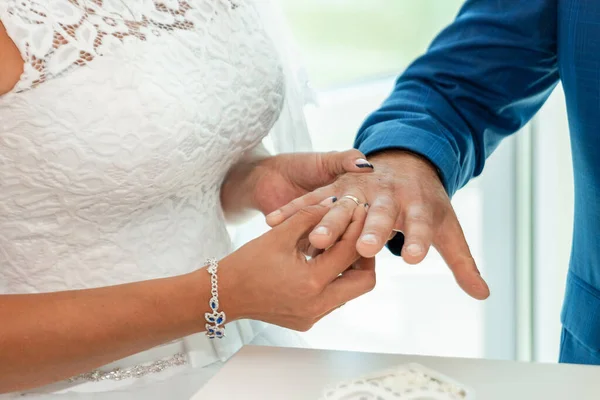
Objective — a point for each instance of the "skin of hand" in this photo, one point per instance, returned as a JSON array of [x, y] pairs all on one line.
[[265, 183], [405, 194], [270, 278], [48, 337]]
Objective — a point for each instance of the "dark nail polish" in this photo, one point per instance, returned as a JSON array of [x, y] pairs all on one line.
[[334, 199], [367, 205], [366, 165]]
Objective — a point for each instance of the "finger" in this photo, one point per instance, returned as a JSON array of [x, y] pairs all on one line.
[[304, 245], [308, 249], [381, 219], [418, 233], [296, 228], [453, 247], [348, 286], [334, 224], [365, 264], [341, 255], [309, 199], [337, 163]]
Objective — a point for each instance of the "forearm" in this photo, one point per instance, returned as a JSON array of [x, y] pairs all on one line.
[[237, 191], [52, 336]]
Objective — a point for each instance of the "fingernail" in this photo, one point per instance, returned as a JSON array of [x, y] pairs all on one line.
[[362, 163], [321, 230], [366, 206], [328, 201], [414, 249], [369, 239]]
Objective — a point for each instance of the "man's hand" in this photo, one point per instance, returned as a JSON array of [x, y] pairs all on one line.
[[404, 194], [283, 178], [270, 182]]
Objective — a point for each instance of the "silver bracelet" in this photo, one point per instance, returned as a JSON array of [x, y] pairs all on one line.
[[215, 319]]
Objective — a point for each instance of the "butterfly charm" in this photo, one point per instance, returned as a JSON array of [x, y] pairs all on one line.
[[217, 318], [213, 331]]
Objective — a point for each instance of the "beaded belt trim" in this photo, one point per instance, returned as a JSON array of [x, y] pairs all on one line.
[[137, 371]]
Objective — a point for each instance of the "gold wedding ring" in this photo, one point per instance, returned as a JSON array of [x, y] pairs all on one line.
[[354, 199]]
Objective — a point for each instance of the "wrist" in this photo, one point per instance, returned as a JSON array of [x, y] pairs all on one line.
[[198, 285], [400, 158], [194, 291], [238, 189], [259, 169], [229, 291]]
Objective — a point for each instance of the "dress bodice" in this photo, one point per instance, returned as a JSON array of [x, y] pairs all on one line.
[[116, 139]]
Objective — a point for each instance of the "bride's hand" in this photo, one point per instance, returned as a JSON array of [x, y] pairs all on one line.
[[286, 177], [269, 183], [269, 279]]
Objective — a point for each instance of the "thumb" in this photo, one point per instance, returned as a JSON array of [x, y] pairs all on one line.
[[338, 163]]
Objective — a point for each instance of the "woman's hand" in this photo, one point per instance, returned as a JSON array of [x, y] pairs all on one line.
[[270, 279], [269, 182], [48, 337]]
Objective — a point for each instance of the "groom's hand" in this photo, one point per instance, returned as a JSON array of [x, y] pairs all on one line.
[[405, 194]]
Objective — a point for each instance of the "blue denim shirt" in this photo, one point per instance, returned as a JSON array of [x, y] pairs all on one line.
[[481, 80]]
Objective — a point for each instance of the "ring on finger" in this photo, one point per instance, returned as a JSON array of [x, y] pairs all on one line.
[[353, 198]]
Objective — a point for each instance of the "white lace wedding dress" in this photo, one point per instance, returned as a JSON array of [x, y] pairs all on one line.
[[113, 147]]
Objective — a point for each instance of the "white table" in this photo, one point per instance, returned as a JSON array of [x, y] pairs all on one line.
[[267, 373]]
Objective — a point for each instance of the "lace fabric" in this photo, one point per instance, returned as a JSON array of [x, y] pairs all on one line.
[[115, 141], [88, 179], [54, 36]]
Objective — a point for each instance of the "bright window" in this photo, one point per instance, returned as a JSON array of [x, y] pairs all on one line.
[[353, 50]]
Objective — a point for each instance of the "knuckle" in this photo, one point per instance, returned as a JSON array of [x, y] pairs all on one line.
[[386, 200], [312, 212], [384, 203], [346, 204], [326, 160], [311, 287], [354, 153], [461, 262], [419, 213], [295, 204]]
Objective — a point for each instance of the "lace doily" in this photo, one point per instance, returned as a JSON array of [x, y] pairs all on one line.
[[408, 382]]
